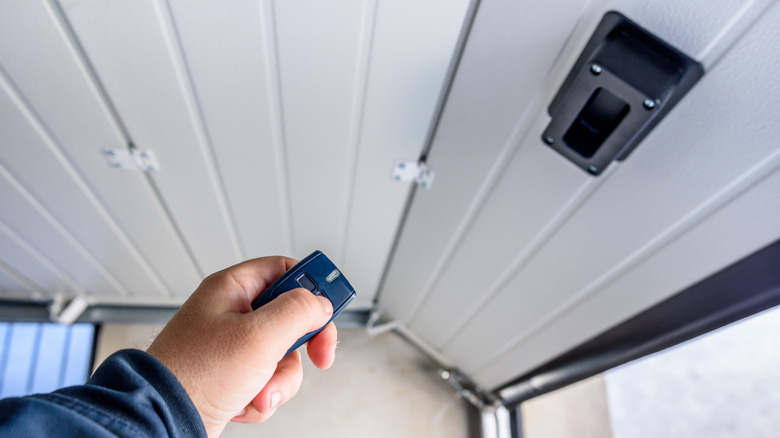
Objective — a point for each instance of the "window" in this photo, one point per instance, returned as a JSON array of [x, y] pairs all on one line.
[[42, 357]]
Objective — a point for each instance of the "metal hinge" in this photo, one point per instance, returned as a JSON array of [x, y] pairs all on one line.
[[417, 172], [132, 159]]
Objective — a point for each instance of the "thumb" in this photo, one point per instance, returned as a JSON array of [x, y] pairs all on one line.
[[288, 317]]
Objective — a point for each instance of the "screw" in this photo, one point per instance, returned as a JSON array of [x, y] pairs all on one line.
[[110, 154], [593, 169], [595, 69], [547, 139], [401, 165], [444, 374], [649, 104]]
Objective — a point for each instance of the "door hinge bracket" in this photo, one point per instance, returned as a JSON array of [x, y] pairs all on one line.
[[142, 160], [412, 171]]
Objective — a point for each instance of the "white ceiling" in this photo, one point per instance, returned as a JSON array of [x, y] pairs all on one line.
[[276, 125]]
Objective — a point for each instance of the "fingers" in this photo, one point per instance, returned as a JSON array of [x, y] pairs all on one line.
[[288, 317], [283, 385], [322, 347], [250, 416]]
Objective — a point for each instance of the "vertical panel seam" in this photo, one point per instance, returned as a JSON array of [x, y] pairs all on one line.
[[178, 60], [111, 114], [359, 94], [452, 70], [508, 150], [54, 147], [276, 108], [749, 179]]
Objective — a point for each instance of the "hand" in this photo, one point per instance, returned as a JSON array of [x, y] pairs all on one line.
[[229, 359]]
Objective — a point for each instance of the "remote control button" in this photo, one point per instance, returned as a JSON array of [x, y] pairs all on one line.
[[322, 293], [306, 282]]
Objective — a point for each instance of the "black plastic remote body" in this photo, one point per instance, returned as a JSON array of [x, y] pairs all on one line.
[[320, 276]]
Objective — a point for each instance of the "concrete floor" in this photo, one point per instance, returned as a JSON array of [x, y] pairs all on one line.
[[378, 387]]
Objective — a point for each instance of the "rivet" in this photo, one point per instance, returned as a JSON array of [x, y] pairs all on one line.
[[595, 69], [593, 169], [649, 104], [547, 139]]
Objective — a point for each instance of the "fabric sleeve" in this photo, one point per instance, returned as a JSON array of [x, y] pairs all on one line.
[[130, 394]]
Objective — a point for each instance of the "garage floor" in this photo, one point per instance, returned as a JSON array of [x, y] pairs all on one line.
[[378, 387]]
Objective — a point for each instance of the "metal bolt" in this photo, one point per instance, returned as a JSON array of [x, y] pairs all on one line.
[[547, 139], [444, 374], [649, 104], [595, 69], [593, 169]]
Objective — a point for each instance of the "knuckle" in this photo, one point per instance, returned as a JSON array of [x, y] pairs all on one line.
[[217, 278]]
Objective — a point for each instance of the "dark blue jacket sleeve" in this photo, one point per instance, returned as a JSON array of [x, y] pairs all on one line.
[[131, 394]]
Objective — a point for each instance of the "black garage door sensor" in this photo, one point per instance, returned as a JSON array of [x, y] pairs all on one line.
[[624, 82]]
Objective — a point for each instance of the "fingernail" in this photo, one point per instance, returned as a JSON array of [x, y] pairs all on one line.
[[326, 304], [275, 399]]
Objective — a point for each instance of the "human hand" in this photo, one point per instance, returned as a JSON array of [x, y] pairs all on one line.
[[230, 359]]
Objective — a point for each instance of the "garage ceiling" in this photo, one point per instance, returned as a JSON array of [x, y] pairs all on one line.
[[276, 125]]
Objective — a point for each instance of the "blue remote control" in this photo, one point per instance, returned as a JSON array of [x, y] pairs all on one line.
[[321, 277]]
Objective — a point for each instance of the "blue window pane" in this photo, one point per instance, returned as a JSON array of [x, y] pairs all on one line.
[[3, 341], [19, 362], [77, 365], [50, 358]]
